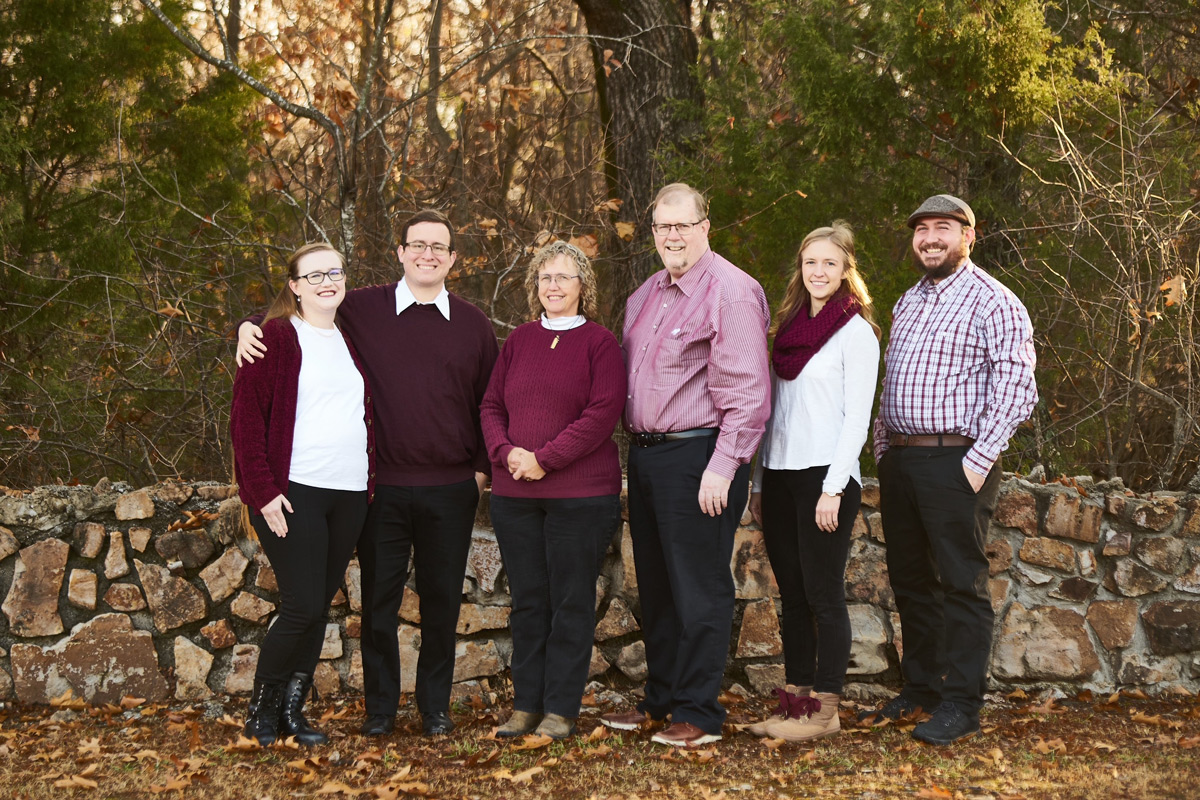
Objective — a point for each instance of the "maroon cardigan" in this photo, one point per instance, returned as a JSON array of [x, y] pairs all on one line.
[[262, 421]]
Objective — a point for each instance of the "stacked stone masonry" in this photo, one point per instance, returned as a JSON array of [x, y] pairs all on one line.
[[110, 591]]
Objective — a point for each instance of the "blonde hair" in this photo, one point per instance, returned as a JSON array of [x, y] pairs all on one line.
[[588, 292], [672, 190], [796, 296], [284, 306]]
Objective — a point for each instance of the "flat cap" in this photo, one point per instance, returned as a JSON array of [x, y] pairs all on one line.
[[944, 205]]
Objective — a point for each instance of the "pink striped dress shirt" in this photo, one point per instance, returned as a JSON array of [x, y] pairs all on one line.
[[696, 352], [959, 360]]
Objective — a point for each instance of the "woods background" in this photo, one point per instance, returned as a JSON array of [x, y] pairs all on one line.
[[158, 160]]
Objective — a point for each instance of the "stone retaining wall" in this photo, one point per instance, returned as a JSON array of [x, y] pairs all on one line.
[[111, 592]]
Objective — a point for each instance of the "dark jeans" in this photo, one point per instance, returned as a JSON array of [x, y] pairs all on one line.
[[936, 528], [810, 568], [684, 581], [310, 565], [433, 524], [553, 549]]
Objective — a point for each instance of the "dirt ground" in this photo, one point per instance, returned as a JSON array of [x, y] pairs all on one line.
[[1124, 745]]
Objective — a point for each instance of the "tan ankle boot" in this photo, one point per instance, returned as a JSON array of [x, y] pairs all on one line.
[[760, 728], [519, 724], [822, 722]]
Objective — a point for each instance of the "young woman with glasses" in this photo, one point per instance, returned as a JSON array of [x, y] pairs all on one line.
[[302, 439]]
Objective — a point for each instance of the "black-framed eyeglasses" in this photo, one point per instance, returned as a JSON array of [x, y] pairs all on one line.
[[417, 248], [682, 228], [317, 278]]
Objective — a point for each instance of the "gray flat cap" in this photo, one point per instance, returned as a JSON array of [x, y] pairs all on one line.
[[944, 205]]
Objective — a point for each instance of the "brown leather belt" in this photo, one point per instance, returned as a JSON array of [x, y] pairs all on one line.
[[930, 440]]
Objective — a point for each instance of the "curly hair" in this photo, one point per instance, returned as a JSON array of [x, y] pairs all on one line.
[[588, 292]]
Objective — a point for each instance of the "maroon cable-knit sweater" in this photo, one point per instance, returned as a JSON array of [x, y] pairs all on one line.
[[561, 403], [262, 422]]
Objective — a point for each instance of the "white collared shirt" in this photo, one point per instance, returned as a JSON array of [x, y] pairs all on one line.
[[404, 299]]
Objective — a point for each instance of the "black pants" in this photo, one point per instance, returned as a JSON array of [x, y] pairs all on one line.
[[810, 568], [432, 524], [936, 528], [553, 549], [310, 565], [684, 581]]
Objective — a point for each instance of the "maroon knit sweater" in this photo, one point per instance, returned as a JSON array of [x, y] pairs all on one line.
[[262, 422], [561, 403]]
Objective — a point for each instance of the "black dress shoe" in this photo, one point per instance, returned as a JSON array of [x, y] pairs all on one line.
[[436, 723], [378, 725]]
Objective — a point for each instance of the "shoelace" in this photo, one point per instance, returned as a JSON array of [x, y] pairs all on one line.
[[793, 706]]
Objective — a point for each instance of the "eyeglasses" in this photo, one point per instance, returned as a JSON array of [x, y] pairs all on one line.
[[317, 278], [557, 280], [683, 228], [417, 248]]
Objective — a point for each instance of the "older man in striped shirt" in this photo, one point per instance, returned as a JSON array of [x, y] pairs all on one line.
[[699, 396], [958, 380]]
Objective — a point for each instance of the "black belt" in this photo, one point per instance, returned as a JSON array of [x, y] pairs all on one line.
[[930, 440], [652, 439]]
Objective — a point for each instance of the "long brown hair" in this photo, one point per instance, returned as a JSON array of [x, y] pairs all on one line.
[[284, 306], [796, 296], [588, 301]]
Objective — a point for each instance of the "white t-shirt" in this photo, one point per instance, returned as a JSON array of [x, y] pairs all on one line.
[[822, 417], [329, 445]]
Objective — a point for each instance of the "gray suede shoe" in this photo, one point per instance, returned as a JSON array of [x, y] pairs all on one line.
[[519, 724], [556, 727]]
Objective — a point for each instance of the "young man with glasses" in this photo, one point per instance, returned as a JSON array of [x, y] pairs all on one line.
[[428, 355], [698, 400]]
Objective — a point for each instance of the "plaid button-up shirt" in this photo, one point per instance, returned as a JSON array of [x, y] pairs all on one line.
[[959, 360]]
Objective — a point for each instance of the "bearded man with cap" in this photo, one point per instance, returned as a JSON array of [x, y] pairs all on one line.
[[958, 380]]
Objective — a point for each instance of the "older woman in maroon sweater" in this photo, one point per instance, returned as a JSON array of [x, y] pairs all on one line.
[[302, 446], [548, 417]]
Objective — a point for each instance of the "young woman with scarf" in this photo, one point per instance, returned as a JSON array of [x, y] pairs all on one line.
[[807, 485]]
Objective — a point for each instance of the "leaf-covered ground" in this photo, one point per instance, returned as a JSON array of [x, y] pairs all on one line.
[[1104, 747]]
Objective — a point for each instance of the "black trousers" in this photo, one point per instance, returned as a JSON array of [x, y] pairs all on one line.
[[936, 528], [310, 565], [553, 549], [810, 568], [684, 581], [432, 524]]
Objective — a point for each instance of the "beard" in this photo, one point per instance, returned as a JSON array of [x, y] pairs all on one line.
[[952, 259]]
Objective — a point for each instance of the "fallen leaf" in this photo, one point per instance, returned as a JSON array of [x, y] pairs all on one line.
[[935, 791], [532, 742], [598, 733], [75, 782], [230, 722], [336, 787], [331, 714], [1105, 746], [128, 702], [625, 230]]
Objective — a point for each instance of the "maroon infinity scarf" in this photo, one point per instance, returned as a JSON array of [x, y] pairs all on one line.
[[805, 335]]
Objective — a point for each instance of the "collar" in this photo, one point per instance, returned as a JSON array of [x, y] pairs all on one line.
[[938, 289], [691, 279], [562, 323], [404, 299]]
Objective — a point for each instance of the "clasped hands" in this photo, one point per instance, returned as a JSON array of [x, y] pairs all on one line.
[[523, 466]]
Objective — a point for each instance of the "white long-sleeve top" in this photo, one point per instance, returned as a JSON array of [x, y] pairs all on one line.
[[822, 417]]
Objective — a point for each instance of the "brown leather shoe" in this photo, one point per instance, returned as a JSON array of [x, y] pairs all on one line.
[[684, 734], [627, 720]]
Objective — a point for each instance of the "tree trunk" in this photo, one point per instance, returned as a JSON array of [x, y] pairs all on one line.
[[650, 101]]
